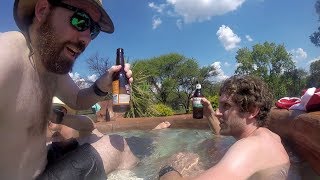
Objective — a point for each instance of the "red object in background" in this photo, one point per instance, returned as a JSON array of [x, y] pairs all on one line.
[[314, 102], [309, 101], [287, 102]]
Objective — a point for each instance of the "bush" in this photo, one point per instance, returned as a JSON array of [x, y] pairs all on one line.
[[162, 110], [214, 100]]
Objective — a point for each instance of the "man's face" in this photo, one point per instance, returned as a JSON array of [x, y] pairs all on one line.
[[58, 42], [51, 49], [231, 120]]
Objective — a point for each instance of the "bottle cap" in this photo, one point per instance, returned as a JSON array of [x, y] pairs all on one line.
[[120, 50]]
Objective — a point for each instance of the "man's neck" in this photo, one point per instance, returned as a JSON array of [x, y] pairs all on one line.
[[248, 131], [35, 58]]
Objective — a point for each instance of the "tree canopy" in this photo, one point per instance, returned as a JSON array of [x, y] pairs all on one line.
[[268, 61], [173, 78], [314, 78], [315, 37]]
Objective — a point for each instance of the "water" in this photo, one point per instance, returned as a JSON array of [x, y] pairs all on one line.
[[156, 148]]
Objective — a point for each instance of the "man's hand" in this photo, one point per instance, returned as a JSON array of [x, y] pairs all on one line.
[[207, 108], [209, 113], [104, 83]]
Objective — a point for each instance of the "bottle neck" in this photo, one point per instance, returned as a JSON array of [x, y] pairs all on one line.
[[120, 59]]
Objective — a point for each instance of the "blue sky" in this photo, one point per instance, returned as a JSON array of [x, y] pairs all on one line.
[[211, 31]]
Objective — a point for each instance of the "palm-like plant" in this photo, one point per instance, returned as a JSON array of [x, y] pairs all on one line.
[[142, 99]]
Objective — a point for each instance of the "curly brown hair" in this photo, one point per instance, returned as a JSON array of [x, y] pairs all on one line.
[[249, 92]]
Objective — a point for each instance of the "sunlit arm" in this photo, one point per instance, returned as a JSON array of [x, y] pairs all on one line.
[[209, 113]]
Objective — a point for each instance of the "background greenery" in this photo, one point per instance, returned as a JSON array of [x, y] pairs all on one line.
[[164, 85]]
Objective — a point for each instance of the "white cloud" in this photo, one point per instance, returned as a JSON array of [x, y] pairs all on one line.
[[255, 67], [227, 64], [158, 8], [81, 82], [238, 65], [221, 76], [156, 21], [202, 10], [229, 39], [179, 24], [195, 10], [314, 59], [75, 76], [298, 54], [93, 77], [249, 38]]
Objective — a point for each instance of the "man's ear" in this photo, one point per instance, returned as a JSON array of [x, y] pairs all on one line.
[[254, 112], [41, 10]]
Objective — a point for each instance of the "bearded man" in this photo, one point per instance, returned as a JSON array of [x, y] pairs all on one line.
[[34, 67]]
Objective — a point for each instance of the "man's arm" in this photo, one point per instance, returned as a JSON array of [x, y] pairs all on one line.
[[209, 113], [241, 161], [78, 122], [13, 50], [172, 175], [70, 93]]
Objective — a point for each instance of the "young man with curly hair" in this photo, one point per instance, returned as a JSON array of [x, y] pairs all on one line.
[[258, 153]]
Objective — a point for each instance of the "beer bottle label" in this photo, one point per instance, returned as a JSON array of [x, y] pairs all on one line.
[[197, 102], [115, 87], [118, 98]]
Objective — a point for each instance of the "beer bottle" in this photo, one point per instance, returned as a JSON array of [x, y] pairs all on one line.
[[196, 103], [120, 86]]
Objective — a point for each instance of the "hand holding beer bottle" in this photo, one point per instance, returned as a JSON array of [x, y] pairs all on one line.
[[120, 86]]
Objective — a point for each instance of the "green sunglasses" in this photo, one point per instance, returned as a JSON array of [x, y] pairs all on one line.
[[80, 20]]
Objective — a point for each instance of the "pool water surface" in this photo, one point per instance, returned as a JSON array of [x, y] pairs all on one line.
[[155, 148]]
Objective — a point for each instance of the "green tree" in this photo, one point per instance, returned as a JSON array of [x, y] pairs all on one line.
[[314, 77], [295, 81], [187, 75], [315, 37], [173, 77], [160, 71], [268, 61]]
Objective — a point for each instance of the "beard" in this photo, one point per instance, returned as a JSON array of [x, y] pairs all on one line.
[[50, 49], [232, 127]]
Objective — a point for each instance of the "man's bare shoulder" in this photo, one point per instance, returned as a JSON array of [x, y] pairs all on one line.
[[259, 144], [258, 151], [12, 38], [13, 55], [13, 47]]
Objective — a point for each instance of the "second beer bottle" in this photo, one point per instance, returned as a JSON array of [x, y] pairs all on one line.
[[120, 86], [196, 103]]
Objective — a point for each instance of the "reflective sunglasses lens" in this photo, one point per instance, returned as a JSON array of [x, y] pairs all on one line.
[[80, 21]]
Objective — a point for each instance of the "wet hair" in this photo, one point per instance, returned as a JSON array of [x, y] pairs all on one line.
[[249, 92]]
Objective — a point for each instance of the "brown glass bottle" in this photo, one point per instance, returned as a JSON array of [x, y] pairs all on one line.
[[196, 103], [120, 86]]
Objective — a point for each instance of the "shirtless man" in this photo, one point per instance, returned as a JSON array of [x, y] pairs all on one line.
[[258, 153], [34, 66]]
